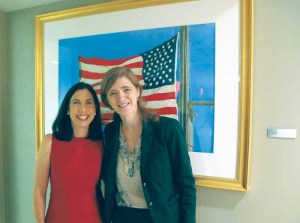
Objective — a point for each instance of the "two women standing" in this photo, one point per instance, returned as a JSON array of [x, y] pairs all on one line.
[[146, 168]]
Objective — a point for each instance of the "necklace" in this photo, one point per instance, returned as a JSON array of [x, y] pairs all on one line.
[[131, 136], [131, 159]]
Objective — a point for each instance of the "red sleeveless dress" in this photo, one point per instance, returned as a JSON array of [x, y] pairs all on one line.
[[74, 172]]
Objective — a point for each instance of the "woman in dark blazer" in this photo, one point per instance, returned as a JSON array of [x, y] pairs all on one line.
[[146, 168]]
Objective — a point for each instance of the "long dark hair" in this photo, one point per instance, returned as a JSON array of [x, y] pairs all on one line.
[[108, 81], [62, 127]]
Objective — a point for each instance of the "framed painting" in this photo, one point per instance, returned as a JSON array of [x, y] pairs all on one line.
[[205, 45]]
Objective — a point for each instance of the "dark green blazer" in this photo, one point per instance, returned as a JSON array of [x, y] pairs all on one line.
[[168, 182]]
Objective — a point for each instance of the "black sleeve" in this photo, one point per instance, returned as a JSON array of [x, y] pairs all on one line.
[[175, 141]]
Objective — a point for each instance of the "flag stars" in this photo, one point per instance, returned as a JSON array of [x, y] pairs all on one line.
[[159, 63]]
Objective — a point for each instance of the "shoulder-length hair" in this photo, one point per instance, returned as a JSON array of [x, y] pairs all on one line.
[[62, 127], [108, 81]]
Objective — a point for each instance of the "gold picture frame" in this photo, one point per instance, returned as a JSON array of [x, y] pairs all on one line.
[[239, 181]]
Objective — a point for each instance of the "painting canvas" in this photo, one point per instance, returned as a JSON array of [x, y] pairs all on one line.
[[119, 46]]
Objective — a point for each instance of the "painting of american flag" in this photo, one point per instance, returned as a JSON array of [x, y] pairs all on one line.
[[155, 69], [158, 51]]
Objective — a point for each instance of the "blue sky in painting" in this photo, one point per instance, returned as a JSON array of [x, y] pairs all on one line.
[[202, 84]]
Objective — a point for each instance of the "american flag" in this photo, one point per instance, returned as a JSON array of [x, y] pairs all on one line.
[[155, 70]]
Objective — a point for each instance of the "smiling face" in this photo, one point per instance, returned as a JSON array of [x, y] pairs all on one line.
[[82, 111], [123, 96]]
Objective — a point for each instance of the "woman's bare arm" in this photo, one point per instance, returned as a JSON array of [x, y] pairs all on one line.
[[42, 169]]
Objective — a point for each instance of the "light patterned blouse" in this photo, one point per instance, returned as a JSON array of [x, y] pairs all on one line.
[[130, 190]]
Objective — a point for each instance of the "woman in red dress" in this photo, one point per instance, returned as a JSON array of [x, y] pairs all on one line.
[[71, 159]]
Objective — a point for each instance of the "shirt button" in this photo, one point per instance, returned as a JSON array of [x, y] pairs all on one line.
[[145, 184], [150, 204]]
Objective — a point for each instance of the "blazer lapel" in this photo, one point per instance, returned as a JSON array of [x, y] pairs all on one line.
[[147, 143], [112, 165]]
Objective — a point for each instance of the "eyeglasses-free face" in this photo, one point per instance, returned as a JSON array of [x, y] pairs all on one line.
[[82, 111], [123, 97]]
